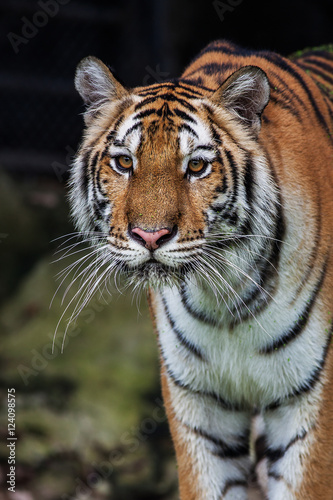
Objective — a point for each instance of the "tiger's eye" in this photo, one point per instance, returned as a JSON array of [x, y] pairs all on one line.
[[125, 162], [196, 165]]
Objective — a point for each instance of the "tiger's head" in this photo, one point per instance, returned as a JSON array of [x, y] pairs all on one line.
[[169, 175]]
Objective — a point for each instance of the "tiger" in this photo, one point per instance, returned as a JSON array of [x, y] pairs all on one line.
[[214, 193]]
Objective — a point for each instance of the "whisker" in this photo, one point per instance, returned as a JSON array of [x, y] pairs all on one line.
[[82, 301], [80, 261], [65, 273], [200, 266], [222, 237], [236, 295], [242, 272]]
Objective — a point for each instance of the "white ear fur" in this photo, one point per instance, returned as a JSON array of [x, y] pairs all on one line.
[[96, 85], [245, 94]]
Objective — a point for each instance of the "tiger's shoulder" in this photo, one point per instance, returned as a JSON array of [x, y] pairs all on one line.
[[301, 85], [318, 64], [221, 58]]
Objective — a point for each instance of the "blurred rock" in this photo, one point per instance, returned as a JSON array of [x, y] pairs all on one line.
[[88, 420]]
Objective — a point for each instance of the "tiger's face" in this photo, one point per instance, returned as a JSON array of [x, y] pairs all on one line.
[[164, 172]]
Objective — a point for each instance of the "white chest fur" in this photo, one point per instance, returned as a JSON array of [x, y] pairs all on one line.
[[229, 362]]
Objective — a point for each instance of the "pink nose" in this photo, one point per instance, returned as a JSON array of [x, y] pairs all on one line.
[[151, 239]]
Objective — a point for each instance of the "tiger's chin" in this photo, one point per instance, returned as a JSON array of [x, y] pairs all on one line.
[[154, 274]]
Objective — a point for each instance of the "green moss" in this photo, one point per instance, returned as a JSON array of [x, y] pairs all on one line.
[[95, 389], [321, 48]]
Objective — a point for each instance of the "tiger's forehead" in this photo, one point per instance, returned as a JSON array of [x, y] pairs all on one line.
[[164, 112]]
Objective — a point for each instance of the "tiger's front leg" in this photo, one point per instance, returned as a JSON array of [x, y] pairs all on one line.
[[299, 457], [212, 444]]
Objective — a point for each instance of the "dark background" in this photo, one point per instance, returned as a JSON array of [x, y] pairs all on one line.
[[143, 41]]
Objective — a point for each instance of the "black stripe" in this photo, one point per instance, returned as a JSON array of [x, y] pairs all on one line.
[[216, 136], [99, 204], [222, 403], [158, 85], [224, 450], [321, 62], [165, 111], [117, 124], [198, 315], [93, 164], [180, 336], [197, 82], [148, 92], [221, 46], [234, 172], [145, 101], [184, 116], [130, 130], [309, 383], [325, 52], [183, 84], [98, 176], [275, 454], [230, 213], [208, 148], [144, 113], [248, 180], [269, 267], [175, 98], [289, 95], [189, 129], [187, 95], [111, 135], [233, 483], [299, 325], [214, 127], [155, 88], [219, 208], [214, 69], [308, 67], [96, 209], [275, 476], [99, 207], [285, 105], [289, 68], [222, 189], [106, 151], [84, 177], [258, 297], [119, 144]]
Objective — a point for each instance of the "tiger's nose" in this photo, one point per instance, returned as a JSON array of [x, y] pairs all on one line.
[[152, 239]]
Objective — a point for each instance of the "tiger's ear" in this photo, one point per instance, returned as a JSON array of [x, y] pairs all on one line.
[[96, 85], [245, 94]]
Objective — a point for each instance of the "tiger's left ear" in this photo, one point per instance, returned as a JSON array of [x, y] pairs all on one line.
[[245, 94], [96, 85]]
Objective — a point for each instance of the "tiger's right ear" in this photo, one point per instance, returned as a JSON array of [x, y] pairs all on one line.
[[245, 94], [96, 85]]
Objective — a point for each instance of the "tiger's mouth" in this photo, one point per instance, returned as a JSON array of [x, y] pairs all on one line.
[[155, 273]]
